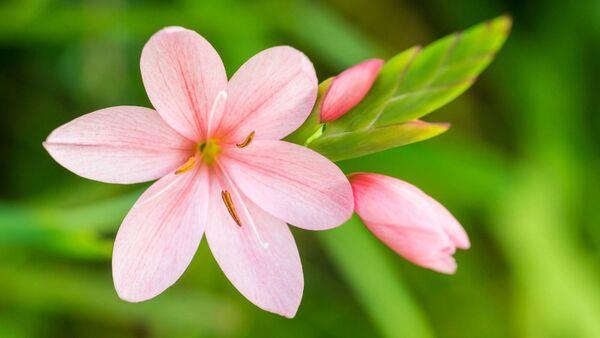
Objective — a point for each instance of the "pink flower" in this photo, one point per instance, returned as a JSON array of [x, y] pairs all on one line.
[[215, 147], [349, 88], [410, 222]]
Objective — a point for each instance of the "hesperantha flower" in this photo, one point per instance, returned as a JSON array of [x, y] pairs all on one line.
[[410, 222], [215, 147]]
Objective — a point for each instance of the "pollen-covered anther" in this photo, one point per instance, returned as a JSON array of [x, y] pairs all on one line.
[[230, 207], [189, 164], [247, 141]]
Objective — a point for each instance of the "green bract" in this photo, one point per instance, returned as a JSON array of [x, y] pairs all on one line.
[[410, 85], [364, 141]]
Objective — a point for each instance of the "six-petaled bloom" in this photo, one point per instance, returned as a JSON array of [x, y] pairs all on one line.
[[215, 147], [411, 223]]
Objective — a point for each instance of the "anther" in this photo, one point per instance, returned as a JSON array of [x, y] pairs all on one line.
[[230, 207], [186, 166], [246, 141]]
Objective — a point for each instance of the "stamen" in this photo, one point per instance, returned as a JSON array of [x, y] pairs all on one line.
[[246, 141], [245, 210], [221, 96], [186, 166], [230, 207]]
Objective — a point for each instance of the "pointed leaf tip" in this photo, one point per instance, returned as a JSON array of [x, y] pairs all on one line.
[[420, 80]]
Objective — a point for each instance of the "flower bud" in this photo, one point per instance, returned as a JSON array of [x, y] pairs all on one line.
[[349, 88], [411, 223]]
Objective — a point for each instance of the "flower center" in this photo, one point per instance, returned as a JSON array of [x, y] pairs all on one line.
[[209, 151], [206, 151]]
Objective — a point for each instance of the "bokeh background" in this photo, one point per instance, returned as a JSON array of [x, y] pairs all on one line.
[[520, 169]]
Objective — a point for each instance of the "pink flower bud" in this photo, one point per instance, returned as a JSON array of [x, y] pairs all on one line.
[[411, 223], [349, 88]]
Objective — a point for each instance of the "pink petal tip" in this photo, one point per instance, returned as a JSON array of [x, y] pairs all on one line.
[[349, 88]]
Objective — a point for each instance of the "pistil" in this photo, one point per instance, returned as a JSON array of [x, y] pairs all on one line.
[[217, 108]]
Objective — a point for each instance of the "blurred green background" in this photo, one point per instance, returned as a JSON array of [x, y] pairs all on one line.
[[520, 169]]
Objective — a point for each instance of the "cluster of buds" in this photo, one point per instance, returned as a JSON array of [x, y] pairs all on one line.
[[402, 216]]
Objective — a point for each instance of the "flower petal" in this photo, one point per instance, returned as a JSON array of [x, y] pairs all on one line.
[[160, 235], [182, 74], [271, 276], [291, 182], [443, 264], [406, 219], [271, 94], [119, 145], [457, 234], [349, 88]]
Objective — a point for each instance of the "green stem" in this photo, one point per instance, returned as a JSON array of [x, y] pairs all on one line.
[[361, 260]]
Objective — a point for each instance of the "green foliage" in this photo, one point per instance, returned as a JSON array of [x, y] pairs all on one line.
[[442, 71], [378, 288], [411, 85], [91, 296]]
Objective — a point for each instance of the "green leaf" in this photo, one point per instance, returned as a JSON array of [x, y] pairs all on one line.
[[410, 85], [444, 70], [416, 82], [362, 142]]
